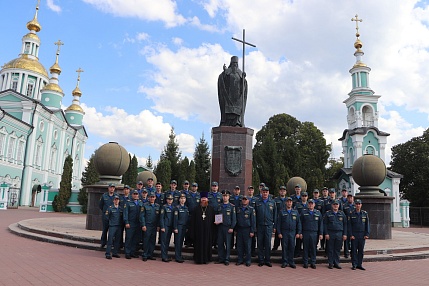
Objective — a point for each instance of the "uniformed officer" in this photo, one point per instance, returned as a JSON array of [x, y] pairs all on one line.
[[319, 205], [297, 196], [174, 192], [266, 216], [215, 199], [343, 199], [185, 186], [226, 228], [280, 204], [359, 233], [289, 229], [180, 225], [312, 230], [235, 200], [252, 202], [150, 187], [106, 201], [123, 198], [149, 221], [132, 225], [324, 198], [139, 187], [300, 206], [114, 215], [245, 228], [348, 208], [193, 198], [335, 230], [166, 227], [143, 196], [160, 196]]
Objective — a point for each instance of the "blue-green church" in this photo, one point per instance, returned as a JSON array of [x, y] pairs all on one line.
[[36, 134], [362, 135]]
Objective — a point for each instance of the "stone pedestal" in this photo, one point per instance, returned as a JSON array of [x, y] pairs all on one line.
[[232, 157], [379, 211]]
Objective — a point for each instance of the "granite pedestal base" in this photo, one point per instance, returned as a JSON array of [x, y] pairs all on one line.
[[380, 218], [237, 138]]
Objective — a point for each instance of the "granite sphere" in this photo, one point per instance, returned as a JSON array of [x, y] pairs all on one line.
[[369, 170], [111, 159], [296, 181]]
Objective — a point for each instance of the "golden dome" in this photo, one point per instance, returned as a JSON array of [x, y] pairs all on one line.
[[26, 63], [75, 107], [358, 44], [33, 25], [53, 87], [33, 36], [55, 68], [77, 91], [359, 64]]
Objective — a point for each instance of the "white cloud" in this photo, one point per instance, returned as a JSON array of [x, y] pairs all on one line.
[[195, 21], [160, 10], [54, 7], [141, 130]]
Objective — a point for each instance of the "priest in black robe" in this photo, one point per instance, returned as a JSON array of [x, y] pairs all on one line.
[[202, 229]]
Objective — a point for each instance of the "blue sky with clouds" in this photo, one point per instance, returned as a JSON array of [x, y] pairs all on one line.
[[150, 65]]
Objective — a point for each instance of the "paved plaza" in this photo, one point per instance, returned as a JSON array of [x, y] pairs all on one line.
[[25, 261]]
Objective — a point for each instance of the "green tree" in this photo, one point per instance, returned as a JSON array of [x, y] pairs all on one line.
[[202, 164], [334, 165], [192, 171], [149, 163], [132, 171], [61, 200], [411, 159], [171, 153], [184, 171], [127, 175], [163, 172], [285, 148], [89, 177]]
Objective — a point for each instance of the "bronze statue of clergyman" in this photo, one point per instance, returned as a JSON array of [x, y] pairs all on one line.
[[232, 94]]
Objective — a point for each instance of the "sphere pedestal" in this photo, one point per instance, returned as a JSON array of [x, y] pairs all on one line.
[[232, 157]]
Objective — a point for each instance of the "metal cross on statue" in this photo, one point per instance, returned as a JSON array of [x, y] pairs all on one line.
[[244, 45]]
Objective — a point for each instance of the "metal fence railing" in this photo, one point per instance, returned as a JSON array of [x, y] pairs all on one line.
[[419, 216]]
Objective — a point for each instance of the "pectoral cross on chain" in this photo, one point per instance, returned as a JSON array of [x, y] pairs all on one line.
[[204, 216]]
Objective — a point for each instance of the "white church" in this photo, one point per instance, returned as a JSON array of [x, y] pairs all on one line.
[[36, 134]]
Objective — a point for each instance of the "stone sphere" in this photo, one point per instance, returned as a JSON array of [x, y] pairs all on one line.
[[290, 186], [369, 170], [111, 159], [144, 175]]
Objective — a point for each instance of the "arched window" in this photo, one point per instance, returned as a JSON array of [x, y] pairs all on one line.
[[367, 116]]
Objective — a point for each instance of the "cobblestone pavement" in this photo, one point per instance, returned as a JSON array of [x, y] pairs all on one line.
[[29, 262]]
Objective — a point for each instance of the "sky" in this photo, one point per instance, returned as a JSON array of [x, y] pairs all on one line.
[[153, 65]]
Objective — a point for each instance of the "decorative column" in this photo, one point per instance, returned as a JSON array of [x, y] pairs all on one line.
[[405, 213]]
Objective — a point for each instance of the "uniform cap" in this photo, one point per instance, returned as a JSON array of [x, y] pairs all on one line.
[[358, 201], [135, 192], [311, 201], [139, 183], [250, 187], [194, 184], [173, 182], [324, 188], [112, 185], [215, 184], [288, 199], [297, 186], [169, 196], [344, 190], [236, 187], [116, 197], [244, 198], [144, 190], [182, 195], [332, 190], [186, 182], [152, 194], [350, 195], [304, 194], [126, 187], [262, 184], [150, 178], [282, 188], [225, 192], [336, 202], [265, 189], [315, 191]]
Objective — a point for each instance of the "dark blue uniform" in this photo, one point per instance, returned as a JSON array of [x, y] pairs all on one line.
[[149, 218], [246, 224], [266, 216], [176, 195], [114, 215], [229, 221], [359, 228], [295, 199], [166, 223], [347, 209], [335, 225], [312, 228], [288, 225], [105, 202], [280, 204], [123, 199], [236, 201], [133, 233], [180, 223], [215, 199]]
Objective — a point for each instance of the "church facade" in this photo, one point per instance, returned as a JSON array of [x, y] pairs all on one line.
[[363, 135], [36, 134]]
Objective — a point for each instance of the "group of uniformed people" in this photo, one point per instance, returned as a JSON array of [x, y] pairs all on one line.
[[243, 221]]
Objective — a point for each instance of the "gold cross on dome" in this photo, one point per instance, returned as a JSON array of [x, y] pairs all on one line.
[[356, 19], [59, 44]]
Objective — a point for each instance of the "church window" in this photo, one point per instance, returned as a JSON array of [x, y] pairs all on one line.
[[20, 152], [27, 48], [53, 160], [367, 116], [42, 125], [30, 87], [370, 150], [2, 143], [14, 85], [55, 134], [11, 148]]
